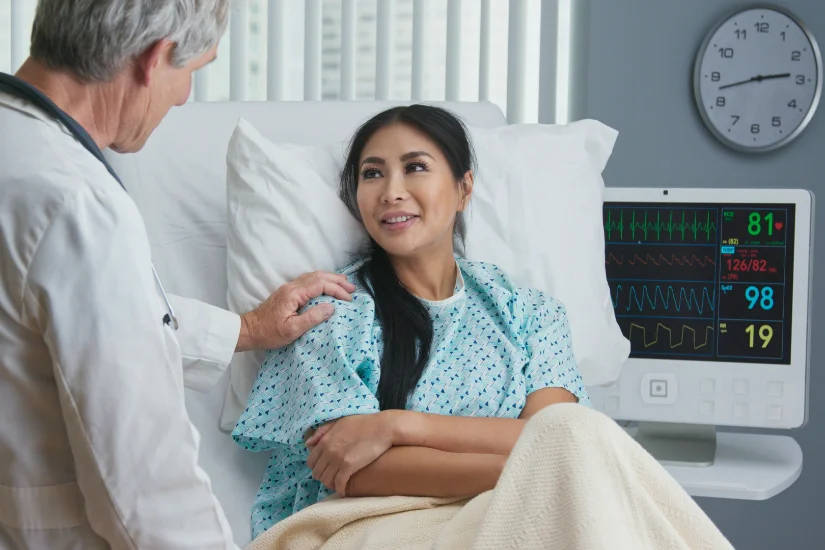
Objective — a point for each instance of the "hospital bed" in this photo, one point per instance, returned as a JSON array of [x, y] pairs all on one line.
[[179, 184]]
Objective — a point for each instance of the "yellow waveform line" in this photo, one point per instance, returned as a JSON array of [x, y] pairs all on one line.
[[670, 333]]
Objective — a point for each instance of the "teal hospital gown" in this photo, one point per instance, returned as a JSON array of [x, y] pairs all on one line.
[[493, 345]]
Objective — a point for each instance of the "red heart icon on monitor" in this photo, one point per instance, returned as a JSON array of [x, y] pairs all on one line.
[[778, 225]]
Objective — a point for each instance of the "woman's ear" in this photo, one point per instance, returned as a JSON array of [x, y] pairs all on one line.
[[466, 190]]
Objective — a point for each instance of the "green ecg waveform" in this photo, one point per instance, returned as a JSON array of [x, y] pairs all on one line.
[[681, 225]]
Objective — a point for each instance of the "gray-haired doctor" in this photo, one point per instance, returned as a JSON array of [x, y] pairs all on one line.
[[96, 449]]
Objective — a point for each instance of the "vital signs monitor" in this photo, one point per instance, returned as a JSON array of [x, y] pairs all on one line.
[[711, 288]]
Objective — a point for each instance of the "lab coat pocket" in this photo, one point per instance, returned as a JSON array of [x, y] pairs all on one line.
[[50, 507]]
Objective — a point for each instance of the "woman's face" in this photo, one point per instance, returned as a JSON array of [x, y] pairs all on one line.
[[407, 195]]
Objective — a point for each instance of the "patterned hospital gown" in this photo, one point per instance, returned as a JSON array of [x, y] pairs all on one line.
[[493, 345]]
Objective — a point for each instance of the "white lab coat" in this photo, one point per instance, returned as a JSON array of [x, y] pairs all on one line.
[[96, 448]]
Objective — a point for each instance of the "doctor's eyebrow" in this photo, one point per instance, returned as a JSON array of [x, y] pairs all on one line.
[[405, 157]]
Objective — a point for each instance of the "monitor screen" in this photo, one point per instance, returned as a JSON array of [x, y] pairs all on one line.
[[702, 281]]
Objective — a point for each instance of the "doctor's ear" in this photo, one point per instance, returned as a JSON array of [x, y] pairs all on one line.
[[466, 186], [154, 57]]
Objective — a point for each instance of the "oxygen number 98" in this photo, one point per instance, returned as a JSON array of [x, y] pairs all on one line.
[[763, 298]]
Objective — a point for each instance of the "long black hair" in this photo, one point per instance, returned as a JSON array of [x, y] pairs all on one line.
[[406, 323]]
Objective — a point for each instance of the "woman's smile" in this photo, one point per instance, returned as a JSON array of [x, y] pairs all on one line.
[[398, 221]]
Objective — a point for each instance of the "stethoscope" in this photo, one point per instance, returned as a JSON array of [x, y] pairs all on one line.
[[22, 90]]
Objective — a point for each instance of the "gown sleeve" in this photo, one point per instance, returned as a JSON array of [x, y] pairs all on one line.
[[328, 373], [551, 362]]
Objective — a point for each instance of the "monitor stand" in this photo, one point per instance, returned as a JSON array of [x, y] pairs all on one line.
[[678, 444]]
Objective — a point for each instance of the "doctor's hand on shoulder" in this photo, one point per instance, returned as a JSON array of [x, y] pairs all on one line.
[[276, 323]]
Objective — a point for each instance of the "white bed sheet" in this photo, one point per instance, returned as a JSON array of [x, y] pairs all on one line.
[[178, 182]]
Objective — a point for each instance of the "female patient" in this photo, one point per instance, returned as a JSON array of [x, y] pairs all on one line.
[[422, 384]]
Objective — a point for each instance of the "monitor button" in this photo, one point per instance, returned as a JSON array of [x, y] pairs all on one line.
[[706, 408], [708, 385], [740, 410], [775, 389], [775, 412], [740, 387], [659, 389]]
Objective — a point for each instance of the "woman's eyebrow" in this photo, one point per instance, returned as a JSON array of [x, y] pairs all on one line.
[[405, 157], [372, 160], [414, 154]]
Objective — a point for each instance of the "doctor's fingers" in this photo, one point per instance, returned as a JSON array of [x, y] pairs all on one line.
[[297, 325], [313, 285]]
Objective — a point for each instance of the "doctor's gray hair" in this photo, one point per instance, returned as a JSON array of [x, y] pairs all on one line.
[[96, 39]]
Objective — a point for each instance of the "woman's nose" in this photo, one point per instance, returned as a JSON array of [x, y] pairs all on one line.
[[395, 189]]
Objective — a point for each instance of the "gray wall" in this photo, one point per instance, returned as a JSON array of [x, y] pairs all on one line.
[[634, 61]]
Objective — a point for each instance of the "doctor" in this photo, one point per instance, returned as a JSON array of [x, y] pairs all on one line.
[[96, 449]]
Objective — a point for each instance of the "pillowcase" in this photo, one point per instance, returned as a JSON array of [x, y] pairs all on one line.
[[536, 212]]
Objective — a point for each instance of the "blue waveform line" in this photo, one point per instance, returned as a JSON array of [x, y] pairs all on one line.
[[670, 298]]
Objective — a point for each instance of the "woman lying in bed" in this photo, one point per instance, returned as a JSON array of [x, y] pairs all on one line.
[[422, 384]]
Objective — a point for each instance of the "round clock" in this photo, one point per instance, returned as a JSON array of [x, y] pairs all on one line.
[[757, 78]]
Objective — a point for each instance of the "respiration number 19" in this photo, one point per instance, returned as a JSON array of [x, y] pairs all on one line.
[[765, 333], [755, 223], [765, 298]]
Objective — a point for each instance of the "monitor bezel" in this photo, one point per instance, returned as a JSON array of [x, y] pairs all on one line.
[[797, 373]]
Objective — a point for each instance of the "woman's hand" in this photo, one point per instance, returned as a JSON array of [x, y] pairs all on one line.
[[341, 448]]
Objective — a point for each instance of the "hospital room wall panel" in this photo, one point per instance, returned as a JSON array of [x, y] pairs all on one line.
[[632, 67]]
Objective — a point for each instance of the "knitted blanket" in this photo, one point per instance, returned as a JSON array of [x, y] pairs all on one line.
[[574, 481]]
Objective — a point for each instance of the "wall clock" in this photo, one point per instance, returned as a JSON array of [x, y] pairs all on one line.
[[757, 78]]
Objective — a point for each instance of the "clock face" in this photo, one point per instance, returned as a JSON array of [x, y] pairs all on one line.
[[758, 79]]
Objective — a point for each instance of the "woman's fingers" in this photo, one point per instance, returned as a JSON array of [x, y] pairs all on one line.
[[327, 478], [341, 481], [314, 456], [319, 433]]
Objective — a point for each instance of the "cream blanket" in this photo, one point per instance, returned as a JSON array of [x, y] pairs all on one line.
[[574, 481]]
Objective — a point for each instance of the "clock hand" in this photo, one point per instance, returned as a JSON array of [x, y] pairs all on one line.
[[757, 78]]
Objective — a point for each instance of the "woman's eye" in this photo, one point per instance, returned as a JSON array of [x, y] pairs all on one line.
[[370, 173], [416, 167]]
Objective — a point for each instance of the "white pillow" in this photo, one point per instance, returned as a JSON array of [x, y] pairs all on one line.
[[536, 212]]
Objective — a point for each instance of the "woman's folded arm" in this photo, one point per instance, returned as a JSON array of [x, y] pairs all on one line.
[[419, 471], [399, 452], [461, 434]]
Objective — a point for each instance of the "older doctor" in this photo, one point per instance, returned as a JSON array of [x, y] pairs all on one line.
[[96, 449]]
